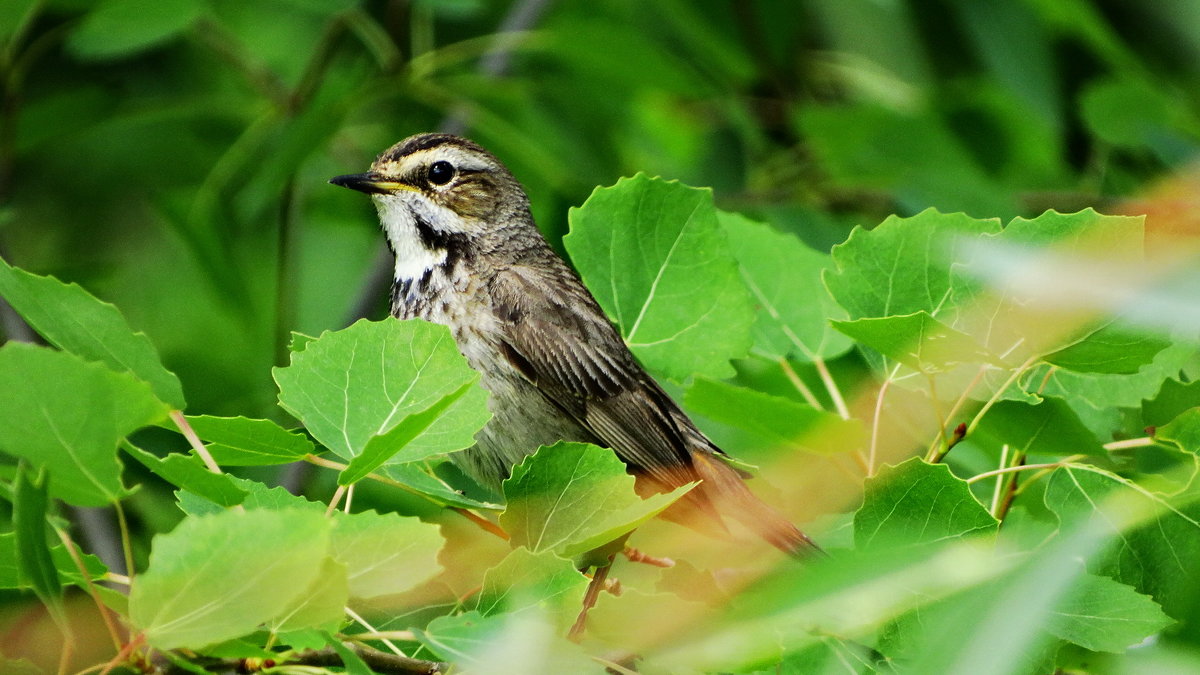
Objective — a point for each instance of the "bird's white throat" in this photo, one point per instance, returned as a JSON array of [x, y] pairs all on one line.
[[413, 258]]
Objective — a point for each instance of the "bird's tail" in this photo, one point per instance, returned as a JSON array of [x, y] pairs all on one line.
[[733, 498]]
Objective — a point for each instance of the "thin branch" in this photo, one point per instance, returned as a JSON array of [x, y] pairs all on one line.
[[333, 502], [126, 540]]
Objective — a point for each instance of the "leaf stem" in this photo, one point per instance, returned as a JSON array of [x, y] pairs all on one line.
[[872, 453], [839, 403], [999, 392], [999, 479], [363, 622], [798, 383], [1143, 442], [126, 544], [194, 440], [333, 502], [1010, 469], [109, 622]]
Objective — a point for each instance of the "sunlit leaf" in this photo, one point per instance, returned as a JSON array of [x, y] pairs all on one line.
[[385, 554], [220, 576], [359, 383], [240, 441], [916, 502], [784, 278], [572, 497], [525, 579], [188, 472], [652, 253], [1104, 615]]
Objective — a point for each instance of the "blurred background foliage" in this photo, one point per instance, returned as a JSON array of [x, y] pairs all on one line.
[[172, 155]]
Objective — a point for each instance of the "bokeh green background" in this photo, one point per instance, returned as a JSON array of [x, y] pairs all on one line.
[[172, 155]]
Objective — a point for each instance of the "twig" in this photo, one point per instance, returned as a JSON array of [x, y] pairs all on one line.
[[363, 622], [1144, 442]]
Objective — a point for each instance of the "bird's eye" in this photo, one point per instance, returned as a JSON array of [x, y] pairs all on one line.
[[441, 172]]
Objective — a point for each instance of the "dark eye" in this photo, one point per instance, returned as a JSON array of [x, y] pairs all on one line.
[[441, 172]]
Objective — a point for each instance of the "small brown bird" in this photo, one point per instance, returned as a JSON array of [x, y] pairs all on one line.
[[469, 256]]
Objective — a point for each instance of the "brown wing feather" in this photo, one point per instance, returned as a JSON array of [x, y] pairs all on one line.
[[558, 337]]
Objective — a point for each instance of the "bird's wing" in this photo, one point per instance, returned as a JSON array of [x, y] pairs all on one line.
[[558, 338]]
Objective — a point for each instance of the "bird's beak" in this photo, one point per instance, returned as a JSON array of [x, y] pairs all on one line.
[[370, 183]]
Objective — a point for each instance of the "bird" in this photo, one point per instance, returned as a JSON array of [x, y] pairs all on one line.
[[469, 256]]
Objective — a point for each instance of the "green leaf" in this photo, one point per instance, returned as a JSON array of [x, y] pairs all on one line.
[[73, 320], [1112, 349], [385, 554], [1104, 615], [189, 473], [916, 502], [240, 441], [1113, 390], [652, 253], [1151, 542], [1183, 431], [117, 28], [525, 579], [35, 565], [352, 662], [774, 422], [219, 577], [903, 265], [397, 445], [784, 278], [1173, 398], [10, 575], [917, 340], [69, 418], [1048, 428], [321, 605], [419, 480], [573, 497], [353, 385]]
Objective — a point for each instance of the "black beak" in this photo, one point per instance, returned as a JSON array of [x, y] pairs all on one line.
[[371, 183]]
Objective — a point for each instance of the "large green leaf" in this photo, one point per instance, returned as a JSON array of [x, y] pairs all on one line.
[[220, 576], [354, 385], [916, 502], [76, 321], [1151, 543], [1105, 615], [240, 441], [69, 416], [472, 642], [385, 553], [903, 265], [652, 253], [525, 579], [573, 497], [784, 278]]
